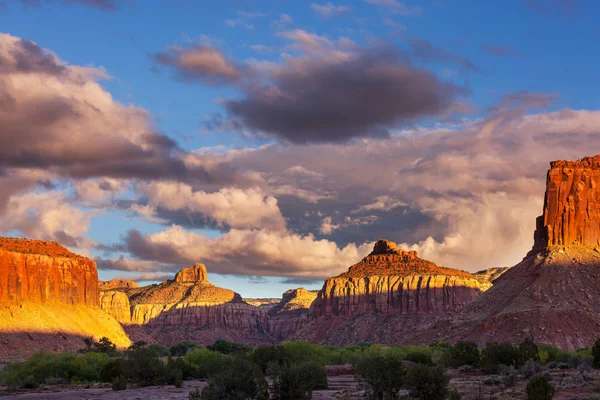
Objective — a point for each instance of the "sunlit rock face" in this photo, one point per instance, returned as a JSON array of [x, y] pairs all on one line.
[[390, 280], [291, 313], [571, 205], [49, 299], [188, 307], [117, 284], [385, 298], [45, 272], [553, 295]]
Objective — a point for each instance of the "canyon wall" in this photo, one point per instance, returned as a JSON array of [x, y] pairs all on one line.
[[49, 299]]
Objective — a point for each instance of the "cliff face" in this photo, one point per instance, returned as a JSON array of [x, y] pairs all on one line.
[[117, 284], [188, 307], [553, 295], [44, 272], [291, 313], [390, 280], [49, 299], [384, 297], [571, 205]]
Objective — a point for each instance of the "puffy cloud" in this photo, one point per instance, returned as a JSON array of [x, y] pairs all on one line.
[[327, 227], [56, 117], [201, 62], [328, 10], [383, 202], [236, 208], [248, 252]]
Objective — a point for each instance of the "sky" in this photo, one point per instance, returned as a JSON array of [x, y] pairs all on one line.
[[276, 140]]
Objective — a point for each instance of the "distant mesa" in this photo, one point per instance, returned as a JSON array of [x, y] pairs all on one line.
[[117, 284]]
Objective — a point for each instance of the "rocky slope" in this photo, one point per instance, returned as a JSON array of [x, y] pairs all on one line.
[[290, 313], [487, 277], [188, 307], [46, 294], [554, 293], [384, 297]]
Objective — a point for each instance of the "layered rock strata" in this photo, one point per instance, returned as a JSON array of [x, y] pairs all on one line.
[[49, 299], [290, 313], [388, 294], [117, 284]]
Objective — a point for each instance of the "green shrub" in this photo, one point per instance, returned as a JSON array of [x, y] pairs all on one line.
[[159, 350], [419, 358], [381, 377], [539, 388], [187, 371], [454, 395], [426, 382], [104, 345], [299, 352], [495, 354], [145, 368], [203, 362], [112, 370], [464, 353], [264, 356], [229, 348], [298, 381], [182, 348], [241, 380], [119, 383]]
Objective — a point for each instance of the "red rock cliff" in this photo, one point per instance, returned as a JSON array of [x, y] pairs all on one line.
[[45, 272], [571, 205]]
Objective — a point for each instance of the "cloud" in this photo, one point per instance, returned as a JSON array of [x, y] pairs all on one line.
[[233, 207], [248, 252], [145, 277], [124, 264], [56, 117], [321, 100], [329, 10], [327, 227], [200, 62], [284, 19], [396, 7], [426, 51], [382, 203]]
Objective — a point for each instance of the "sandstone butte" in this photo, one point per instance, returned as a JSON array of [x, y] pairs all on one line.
[[186, 308], [553, 295], [385, 297], [49, 299], [290, 313]]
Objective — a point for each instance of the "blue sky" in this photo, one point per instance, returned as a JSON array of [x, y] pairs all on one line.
[[538, 52]]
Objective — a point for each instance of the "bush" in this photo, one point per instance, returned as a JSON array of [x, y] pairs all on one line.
[[160, 351], [113, 370], [419, 358], [454, 395], [263, 356], [596, 354], [539, 388], [119, 383], [203, 362], [104, 345], [182, 348], [528, 350], [496, 354], [530, 368], [379, 376], [464, 353], [229, 348], [145, 368], [427, 382], [298, 381], [241, 380]]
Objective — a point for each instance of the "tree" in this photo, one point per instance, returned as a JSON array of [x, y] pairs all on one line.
[[381, 377], [596, 353], [495, 354], [182, 348], [242, 380], [297, 382], [539, 388], [528, 350], [229, 348], [426, 382], [105, 345], [464, 353]]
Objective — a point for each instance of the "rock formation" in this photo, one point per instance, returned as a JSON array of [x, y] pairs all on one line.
[[49, 299], [552, 295], [388, 293], [487, 277], [117, 284], [290, 313], [188, 307]]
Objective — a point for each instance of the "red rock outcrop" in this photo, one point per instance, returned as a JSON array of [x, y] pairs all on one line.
[[385, 294], [117, 284], [187, 308], [553, 295], [291, 313], [44, 272], [49, 299], [571, 204]]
